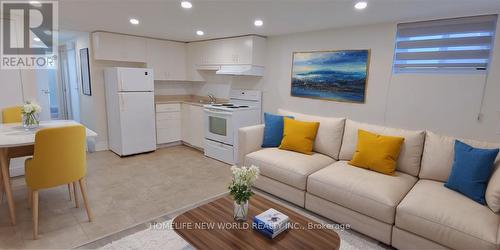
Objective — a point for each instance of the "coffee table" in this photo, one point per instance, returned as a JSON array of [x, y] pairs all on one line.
[[211, 226]]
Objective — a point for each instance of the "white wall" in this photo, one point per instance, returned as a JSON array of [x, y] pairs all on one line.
[[173, 88], [278, 70], [447, 104], [11, 89], [221, 85]]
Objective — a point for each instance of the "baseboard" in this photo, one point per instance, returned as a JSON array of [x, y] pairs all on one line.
[[101, 146], [192, 146], [170, 144]]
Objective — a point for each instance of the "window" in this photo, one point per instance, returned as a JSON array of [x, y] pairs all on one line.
[[458, 44]]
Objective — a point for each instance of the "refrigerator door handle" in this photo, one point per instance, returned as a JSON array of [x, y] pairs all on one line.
[[122, 103]]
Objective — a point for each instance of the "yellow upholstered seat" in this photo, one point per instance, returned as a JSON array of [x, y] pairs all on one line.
[[59, 158], [12, 114]]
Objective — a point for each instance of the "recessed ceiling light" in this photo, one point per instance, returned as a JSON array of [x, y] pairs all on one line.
[[258, 23], [360, 5], [36, 39], [200, 33], [134, 21], [186, 4], [47, 32]]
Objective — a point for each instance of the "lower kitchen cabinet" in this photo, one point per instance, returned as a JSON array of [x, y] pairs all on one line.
[[193, 129], [168, 123], [180, 122]]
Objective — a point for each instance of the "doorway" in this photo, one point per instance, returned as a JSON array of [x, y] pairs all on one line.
[[69, 99]]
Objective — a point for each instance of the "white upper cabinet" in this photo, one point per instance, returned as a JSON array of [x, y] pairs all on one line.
[[167, 59], [116, 47], [246, 50], [194, 52], [178, 61]]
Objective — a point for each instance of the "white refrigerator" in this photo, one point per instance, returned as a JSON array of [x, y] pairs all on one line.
[[130, 109]]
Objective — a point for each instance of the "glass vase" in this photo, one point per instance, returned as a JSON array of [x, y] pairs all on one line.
[[30, 121], [240, 211]]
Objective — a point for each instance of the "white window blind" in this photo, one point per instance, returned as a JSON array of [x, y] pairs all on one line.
[[461, 44]]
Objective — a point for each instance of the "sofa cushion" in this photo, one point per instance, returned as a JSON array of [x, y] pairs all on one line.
[[273, 130], [444, 216], [287, 166], [329, 136], [299, 136], [377, 152], [364, 191], [471, 171], [411, 150], [438, 159]]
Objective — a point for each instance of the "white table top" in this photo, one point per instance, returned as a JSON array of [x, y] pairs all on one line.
[[14, 134]]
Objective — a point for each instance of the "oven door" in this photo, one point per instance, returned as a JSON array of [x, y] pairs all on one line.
[[219, 126]]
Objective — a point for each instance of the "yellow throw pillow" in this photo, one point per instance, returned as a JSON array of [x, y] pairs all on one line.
[[377, 152], [299, 136]]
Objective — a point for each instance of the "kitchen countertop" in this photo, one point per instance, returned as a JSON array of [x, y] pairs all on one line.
[[188, 99]]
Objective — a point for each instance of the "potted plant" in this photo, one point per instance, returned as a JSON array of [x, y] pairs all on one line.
[[241, 189], [30, 111]]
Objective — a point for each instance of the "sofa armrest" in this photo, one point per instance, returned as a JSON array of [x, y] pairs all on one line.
[[249, 140]]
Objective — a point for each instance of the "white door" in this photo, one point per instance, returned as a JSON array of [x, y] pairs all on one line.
[[137, 122], [42, 78], [135, 79]]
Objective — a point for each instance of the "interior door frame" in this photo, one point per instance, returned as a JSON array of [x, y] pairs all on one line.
[[62, 75]]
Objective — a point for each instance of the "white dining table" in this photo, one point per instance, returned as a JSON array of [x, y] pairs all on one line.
[[16, 141]]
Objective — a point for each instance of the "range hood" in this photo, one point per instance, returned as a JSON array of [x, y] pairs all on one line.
[[240, 70]]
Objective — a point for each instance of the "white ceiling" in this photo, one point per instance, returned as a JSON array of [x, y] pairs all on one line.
[[222, 18]]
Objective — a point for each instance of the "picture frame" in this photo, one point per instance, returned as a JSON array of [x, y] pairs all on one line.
[[85, 72], [333, 75]]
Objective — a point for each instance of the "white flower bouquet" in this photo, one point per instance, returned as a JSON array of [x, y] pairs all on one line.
[[30, 111], [241, 189]]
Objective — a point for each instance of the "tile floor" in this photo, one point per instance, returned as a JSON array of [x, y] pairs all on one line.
[[123, 192]]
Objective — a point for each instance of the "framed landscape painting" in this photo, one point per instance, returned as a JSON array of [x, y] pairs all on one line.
[[331, 75]]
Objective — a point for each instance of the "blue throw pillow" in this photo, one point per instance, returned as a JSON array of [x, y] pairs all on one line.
[[273, 130], [471, 171]]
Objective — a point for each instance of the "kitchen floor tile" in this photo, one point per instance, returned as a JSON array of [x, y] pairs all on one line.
[[123, 191]]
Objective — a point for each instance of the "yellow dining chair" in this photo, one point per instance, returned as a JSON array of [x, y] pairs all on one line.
[[58, 159], [12, 114]]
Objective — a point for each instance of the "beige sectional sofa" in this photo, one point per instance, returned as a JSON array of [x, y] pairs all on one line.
[[411, 209]]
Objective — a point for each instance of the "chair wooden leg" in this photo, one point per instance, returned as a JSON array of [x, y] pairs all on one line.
[[4, 164], [30, 198], [83, 189], [1, 189], [35, 214], [75, 193], [69, 191]]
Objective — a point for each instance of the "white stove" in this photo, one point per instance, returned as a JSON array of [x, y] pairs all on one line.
[[229, 107], [222, 122]]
